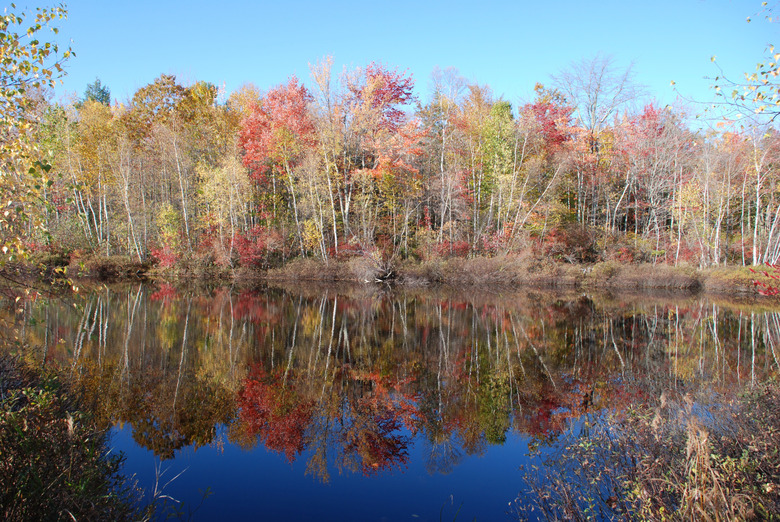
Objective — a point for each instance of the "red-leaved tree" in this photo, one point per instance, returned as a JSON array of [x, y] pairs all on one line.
[[274, 139]]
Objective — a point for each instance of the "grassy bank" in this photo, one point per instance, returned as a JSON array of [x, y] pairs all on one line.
[[54, 461], [517, 272], [501, 271]]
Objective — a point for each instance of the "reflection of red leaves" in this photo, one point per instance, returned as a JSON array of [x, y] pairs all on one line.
[[550, 413], [251, 307], [375, 440], [274, 413], [377, 417], [402, 406], [166, 293]]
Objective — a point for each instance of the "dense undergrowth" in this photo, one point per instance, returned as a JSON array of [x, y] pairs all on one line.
[[674, 458], [54, 461]]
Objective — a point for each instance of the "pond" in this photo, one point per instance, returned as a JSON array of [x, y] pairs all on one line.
[[362, 403]]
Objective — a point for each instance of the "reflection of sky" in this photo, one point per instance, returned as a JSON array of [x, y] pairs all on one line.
[[262, 485]]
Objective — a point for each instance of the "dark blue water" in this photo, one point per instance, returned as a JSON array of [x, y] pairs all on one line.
[[262, 485], [363, 405]]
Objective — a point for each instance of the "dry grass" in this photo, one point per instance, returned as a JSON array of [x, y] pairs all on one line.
[[514, 270], [733, 280], [610, 274], [677, 459], [317, 270]]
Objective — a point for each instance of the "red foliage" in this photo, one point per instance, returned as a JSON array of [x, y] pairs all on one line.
[[346, 250], [255, 247], [385, 90], [768, 288], [454, 248], [553, 121], [571, 243], [165, 256], [624, 255], [277, 130], [251, 249], [274, 413]]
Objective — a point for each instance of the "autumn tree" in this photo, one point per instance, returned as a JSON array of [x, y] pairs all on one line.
[[441, 157], [598, 90], [274, 139]]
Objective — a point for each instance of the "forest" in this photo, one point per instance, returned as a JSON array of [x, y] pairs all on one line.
[[357, 164]]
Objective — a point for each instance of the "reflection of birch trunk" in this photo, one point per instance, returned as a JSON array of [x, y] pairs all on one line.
[[611, 328], [752, 348], [106, 321], [101, 307], [676, 342], [330, 345], [538, 356], [130, 321], [442, 350], [79, 340], [230, 336], [94, 319], [772, 328], [183, 351], [517, 343], [292, 344], [715, 337], [739, 349]]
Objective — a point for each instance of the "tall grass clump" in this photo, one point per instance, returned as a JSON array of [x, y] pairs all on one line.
[[678, 458]]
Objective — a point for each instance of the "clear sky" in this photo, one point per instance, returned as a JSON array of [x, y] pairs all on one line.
[[508, 45]]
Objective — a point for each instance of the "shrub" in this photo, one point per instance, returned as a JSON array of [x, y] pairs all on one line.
[[111, 267], [666, 461], [447, 249], [605, 270], [572, 243], [55, 462]]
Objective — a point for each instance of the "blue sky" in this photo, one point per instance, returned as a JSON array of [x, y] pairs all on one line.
[[508, 45]]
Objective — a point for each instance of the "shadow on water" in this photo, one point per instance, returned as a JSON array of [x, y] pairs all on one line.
[[352, 397]]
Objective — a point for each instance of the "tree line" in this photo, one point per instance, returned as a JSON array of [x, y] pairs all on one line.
[[357, 164]]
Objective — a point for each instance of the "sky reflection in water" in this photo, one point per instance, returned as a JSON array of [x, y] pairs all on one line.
[[358, 404]]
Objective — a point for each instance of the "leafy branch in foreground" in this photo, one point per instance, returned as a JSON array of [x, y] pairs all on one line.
[[28, 63], [758, 92]]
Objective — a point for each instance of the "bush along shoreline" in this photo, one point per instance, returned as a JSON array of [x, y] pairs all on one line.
[[55, 462]]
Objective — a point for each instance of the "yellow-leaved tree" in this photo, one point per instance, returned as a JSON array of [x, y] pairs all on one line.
[[29, 62]]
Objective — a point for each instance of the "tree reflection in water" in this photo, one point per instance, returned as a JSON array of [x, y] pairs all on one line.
[[352, 379]]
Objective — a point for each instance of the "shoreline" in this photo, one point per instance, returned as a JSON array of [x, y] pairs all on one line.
[[507, 272]]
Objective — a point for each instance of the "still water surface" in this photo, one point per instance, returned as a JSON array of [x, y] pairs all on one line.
[[365, 404]]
